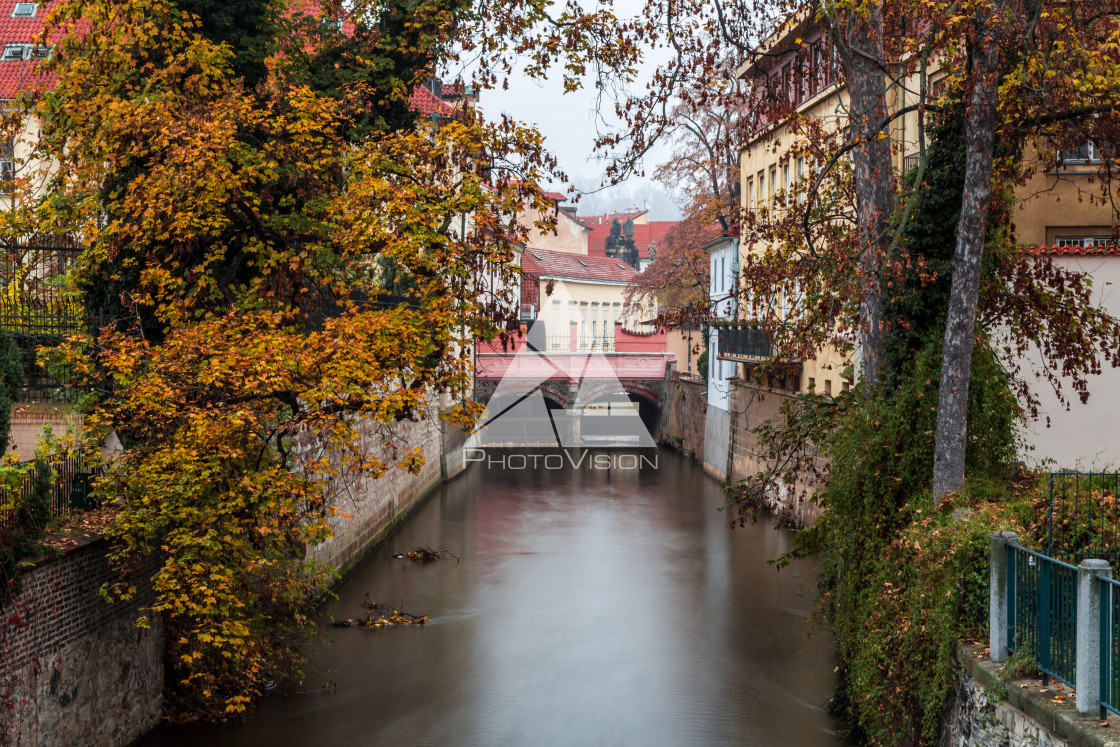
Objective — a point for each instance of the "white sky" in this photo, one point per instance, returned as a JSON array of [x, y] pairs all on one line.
[[568, 122]]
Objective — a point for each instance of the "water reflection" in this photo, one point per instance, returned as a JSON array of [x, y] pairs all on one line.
[[589, 607]]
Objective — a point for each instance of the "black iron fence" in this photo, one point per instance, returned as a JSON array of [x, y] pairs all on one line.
[[71, 488], [910, 162], [747, 342], [38, 310], [34, 299]]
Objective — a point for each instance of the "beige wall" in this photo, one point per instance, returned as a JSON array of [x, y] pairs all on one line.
[[1058, 201], [687, 346], [1085, 435], [570, 236], [595, 307]]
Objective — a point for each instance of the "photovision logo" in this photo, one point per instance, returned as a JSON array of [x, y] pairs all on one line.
[[522, 415]]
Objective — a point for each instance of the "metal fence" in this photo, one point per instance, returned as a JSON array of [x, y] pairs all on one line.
[[746, 342], [1082, 515], [38, 310], [71, 488], [1042, 611], [34, 300], [1109, 590]]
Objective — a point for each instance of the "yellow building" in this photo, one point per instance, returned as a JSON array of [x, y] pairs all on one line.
[[1052, 209]]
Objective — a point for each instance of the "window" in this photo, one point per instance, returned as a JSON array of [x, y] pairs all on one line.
[[1087, 153], [1084, 241], [787, 87], [41, 52], [12, 52], [801, 179], [815, 69], [750, 193], [785, 179], [7, 163], [25, 10], [773, 182]]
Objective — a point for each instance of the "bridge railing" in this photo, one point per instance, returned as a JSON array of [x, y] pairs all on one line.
[[1063, 616]]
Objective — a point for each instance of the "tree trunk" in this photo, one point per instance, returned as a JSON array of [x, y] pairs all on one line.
[[860, 47], [960, 325]]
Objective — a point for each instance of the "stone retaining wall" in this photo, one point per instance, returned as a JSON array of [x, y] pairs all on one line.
[[685, 407], [369, 508], [75, 669], [988, 712]]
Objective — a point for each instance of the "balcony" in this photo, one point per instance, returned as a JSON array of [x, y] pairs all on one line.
[[744, 344]]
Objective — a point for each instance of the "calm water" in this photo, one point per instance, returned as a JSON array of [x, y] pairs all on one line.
[[588, 608]]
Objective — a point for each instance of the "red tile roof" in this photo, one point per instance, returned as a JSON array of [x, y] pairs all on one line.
[[17, 76], [654, 232], [427, 103], [576, 266], [1109, 249]]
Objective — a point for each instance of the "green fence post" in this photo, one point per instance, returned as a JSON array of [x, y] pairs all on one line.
[[1043, 639], [1104, 590]]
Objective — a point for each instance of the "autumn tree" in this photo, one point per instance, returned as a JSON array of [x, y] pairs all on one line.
[[703, 173], [273, 278]]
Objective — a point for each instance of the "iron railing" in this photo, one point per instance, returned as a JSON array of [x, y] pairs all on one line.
[[34, 300], [911, 162], [1082, 515], [1042, 611], [744, 343], [1109, 590], [71, 489], [38, 310]]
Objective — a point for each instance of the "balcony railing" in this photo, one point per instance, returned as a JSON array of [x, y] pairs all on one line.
[[38, 310], [910, 162], [34, 301], [744, 343]]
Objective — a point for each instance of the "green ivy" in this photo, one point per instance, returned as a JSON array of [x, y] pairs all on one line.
[[903, 579]]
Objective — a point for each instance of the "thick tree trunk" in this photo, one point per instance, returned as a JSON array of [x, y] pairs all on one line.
[[860, 46], [960, 326]]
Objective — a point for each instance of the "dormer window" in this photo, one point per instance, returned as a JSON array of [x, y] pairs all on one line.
[[12, 52], [25, 10], [42, 52]]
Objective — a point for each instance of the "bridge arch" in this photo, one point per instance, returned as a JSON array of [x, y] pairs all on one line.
[[647, 398]]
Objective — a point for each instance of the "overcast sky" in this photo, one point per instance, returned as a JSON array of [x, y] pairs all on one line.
[[568, 122]]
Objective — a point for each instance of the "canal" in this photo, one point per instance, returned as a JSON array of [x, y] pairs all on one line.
[[587, 607]]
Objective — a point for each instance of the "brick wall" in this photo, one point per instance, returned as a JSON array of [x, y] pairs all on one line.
[[750, 406], [75, 669], [28, 422], [685, 406], [369, 508]]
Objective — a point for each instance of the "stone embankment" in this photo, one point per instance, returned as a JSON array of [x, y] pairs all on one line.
[[989, 712]]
